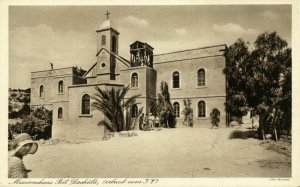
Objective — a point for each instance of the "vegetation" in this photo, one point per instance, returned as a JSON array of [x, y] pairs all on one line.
[[37, 124], [25, 111], [113, 104], [215, 117], [260, 80], [78, 71], [154, 107], [18, 103], [164, 107], [188, 113], [130, 121]]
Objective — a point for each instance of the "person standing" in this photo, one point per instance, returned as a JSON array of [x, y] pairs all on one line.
[[271, 123], [21, 146], [156, 121], [146, 123], [151, 121], [141, 122]]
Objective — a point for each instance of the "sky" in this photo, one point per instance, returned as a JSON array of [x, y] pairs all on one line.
[[66, 35]]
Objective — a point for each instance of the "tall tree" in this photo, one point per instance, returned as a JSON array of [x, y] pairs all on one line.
[[164, 102], [236, 71], [259, 79], [164, 106], [113, 104], [267, 64], [188, 113]]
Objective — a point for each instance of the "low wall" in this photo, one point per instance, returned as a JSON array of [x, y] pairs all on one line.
[[78, 132]]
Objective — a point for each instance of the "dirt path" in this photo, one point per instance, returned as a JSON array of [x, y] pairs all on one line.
[[181, 152]]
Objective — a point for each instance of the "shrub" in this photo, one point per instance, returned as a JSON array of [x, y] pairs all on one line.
[[37, 124], [25, 111], [13, 94], [215, 117]]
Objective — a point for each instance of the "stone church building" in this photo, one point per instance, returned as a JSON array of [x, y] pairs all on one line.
[[194, 74]]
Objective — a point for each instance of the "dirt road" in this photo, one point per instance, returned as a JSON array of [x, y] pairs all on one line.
[[180, 152]]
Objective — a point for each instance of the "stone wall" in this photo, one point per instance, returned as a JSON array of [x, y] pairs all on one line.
[[187, 63], [211, 102], [81, 126], [75, 125], [50, 79], [146, 84]]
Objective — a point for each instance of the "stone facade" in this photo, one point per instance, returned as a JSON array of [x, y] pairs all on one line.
[[187, 63], [67, 93]]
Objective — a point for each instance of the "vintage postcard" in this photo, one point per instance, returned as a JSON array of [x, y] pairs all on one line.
[[183, 93]]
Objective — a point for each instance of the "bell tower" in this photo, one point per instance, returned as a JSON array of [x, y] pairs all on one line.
[[107, 36], [141, 54]]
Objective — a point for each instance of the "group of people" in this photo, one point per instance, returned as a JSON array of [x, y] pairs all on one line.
[[148, 122]]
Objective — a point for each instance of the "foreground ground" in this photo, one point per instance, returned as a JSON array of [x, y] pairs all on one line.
[[180, 152]]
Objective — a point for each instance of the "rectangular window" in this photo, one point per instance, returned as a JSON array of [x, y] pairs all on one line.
[[85, 107], [176, 80], [201, 109], [201, 77]]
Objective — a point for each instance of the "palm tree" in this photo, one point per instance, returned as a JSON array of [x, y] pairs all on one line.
[[113, 104]]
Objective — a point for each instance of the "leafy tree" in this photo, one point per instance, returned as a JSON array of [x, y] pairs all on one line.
[[25, 111], [153, 107], [215, 117], [13, 94], [28, 90], [236, 76], [260, 78], [113, 104], [24, 99], [37, 124], [78, 71], [164, 106]]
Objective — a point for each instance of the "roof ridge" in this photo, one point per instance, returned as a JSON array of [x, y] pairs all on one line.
[[89, 69], [190, 49]]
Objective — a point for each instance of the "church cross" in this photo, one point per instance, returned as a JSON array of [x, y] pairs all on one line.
[[107, 14]]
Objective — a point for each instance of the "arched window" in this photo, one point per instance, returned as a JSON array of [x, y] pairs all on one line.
[[176, 109], [85, 104], [134, 80], [176, 79], [103, 40], [60, 113], [134, 111], [114, 44], [201, 77], [42, 94], [201, 109], [60, 87]]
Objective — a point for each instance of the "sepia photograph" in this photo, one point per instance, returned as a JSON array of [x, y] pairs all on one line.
[[133, 94]]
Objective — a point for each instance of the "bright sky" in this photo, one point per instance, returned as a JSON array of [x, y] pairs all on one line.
[[65, 35]]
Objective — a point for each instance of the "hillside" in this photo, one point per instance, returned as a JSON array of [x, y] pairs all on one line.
[[19, 101]]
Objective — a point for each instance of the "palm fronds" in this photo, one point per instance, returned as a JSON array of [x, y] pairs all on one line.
[[113, 103]]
